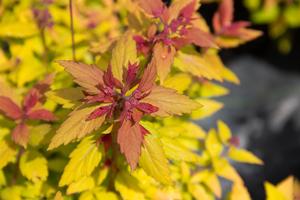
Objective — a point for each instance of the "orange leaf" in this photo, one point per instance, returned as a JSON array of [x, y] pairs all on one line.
[[130, 140], [163, 57], [87, 76]]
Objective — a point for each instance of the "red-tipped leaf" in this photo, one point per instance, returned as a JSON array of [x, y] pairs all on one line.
[[41, 114], [9, 108]]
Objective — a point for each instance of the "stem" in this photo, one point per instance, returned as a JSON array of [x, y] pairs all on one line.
[[17, 171], [43, 37], [114, 158], [72, 29]]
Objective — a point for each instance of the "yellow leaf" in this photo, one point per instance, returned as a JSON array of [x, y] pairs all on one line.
[[185, 172], [29, 70], [212, 144], [223, 168], [128, 186], [68, 97], [76, 127], [8, 152], [209, 179], [101, 175], [34, 166], [11, 193], [2, 178], [58, 196], [241, 155], [172, 82], [170, 102], [106, 195], [238, 192], [84, 158], [196, 65], [18, 30], [209, 107], [98, 194], [123, 53], [215, 61], [153, 159], [224, 132], [273, 193], [209, 89], [84, 183], [199, 192], [175, 151], [286, 187], [213, 183]]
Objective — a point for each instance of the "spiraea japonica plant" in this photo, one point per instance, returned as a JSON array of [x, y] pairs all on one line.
[[109, 110]]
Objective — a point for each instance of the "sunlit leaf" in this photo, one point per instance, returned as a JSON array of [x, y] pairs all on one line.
[[153, 159], [33, 166], [241, 155], [83, 161], [75, 127], [123, 53], [170, 102]]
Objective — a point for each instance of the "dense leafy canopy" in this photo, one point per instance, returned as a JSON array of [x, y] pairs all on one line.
[[119, 121]]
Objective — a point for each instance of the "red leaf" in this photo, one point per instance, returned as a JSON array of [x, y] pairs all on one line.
[[87, 76], [130, 140], [129, 76], [147, 108], [109, 79], [152, 7], [31, 99], [136, 115], [43, 86], [20, 135], [189, 10], [224, 16], [41, 114], [200, 38], [148, 78], [234, 29], [99, 112], [9, 108]]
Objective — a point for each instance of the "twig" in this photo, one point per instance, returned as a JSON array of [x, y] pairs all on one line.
[[72, 29]]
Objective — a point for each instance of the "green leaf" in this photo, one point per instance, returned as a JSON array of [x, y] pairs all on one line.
[[153, 160], [38, 134], [84, 159], [68, 97], [123, 52], [34, 166]]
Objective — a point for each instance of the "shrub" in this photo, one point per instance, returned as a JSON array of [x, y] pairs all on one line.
[[121, 123]]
